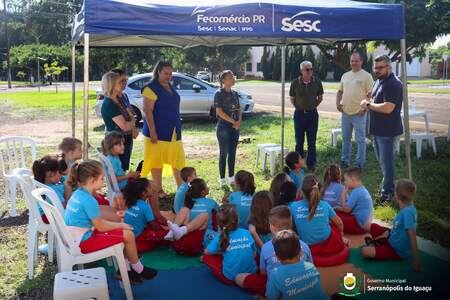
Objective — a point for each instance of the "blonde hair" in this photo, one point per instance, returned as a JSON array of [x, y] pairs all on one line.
[[109, 80]]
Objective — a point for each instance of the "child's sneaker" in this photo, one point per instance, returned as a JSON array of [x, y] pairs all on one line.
[[133, 276], [148, 273], [230, 180], [223, 181]]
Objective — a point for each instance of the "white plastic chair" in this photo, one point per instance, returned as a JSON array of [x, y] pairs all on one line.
[[35, 223], [273, 153], [260, 148], [419, 138], [110, 177], [69, 253], [14, 154], [334, 135], [81, 284]]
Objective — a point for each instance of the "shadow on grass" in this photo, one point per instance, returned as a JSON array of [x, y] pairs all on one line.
[[40, 287], [19, 220]]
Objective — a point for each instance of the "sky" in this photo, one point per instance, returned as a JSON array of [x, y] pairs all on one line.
[[443, 40]]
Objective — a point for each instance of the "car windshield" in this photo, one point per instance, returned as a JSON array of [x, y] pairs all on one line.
[[203, 81]]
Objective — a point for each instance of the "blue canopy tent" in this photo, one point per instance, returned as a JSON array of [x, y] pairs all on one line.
[[182, 23]]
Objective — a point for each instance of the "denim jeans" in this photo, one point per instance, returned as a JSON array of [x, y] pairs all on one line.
[[306, 122], [348, 123], [228, 138], [385, 152], [125, 157]]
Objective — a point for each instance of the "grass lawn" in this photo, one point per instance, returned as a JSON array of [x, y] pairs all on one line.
[[430, 173], [427, 81]]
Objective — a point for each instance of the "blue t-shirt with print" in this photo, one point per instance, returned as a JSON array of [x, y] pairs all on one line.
[[300, 281], [239, 257], [58, 188], [263, 237], [178, 202], [269, 261], [318, 228], [81, 209], [333, 193], [117, 168], [361, 204], [138, 216], [243, 203], [205, 205], [297, 178], [398, 237]]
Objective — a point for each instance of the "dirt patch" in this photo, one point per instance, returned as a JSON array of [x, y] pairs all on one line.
[[194, 150]]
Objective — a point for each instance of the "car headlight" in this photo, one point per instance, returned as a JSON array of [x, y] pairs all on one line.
[[249, 96]]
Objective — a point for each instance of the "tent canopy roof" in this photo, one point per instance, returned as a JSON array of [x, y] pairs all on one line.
[[182, 23]]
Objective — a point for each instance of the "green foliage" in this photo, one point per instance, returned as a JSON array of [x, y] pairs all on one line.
[[322, 66], [266, 64], [276, 60]]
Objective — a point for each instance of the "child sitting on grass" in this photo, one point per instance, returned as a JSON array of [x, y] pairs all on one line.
[[332, 187], [356, 211], [187, 175], [193, 227], [91, 230], [259, 218], [398, 242], [139, 215], [233, 251], [242, 198], [294, 168], [288, 193], [294, 278], [275, 187], [280, 219]]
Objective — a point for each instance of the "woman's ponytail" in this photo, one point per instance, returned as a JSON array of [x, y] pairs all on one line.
[[314, 199], [224, 239], [228, 220]]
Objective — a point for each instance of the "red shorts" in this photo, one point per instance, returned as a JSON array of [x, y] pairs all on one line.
[[149, 238], [384, 251], [101, 199], [215, 263], [101, 240], [332, 245], [44, 219], [256, 284], [350, 223], [191, 244]]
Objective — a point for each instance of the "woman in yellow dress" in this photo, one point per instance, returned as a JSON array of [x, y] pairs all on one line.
[[162, 127]]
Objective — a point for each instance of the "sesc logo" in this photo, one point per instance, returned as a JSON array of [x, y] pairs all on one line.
[[292, 24]]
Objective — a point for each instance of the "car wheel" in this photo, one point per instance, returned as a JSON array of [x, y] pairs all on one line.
[[137, 113]]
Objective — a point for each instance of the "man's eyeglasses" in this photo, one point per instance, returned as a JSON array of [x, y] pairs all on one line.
[[308, 70]]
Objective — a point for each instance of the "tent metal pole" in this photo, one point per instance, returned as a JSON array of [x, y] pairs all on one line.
[[283, 72], [73, 90], [86, 96], [406, 108]]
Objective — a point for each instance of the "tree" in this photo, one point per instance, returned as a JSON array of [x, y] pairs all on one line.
[[52, 71], [266, 64], [322, 66], [276, 60], [310, 56]]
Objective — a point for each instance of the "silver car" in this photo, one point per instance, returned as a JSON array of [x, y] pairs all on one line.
[[197, 96]]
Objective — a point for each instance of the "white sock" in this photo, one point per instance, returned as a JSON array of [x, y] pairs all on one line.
[[128, 265], [169, 236], [179, 232], [138, 267], [172, 226]]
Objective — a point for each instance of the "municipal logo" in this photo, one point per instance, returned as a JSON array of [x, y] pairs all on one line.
[[350, 285]]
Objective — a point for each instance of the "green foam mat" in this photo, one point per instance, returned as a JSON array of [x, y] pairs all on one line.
[[434, 273]]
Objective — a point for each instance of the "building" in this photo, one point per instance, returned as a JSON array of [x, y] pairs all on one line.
[[415, 69]]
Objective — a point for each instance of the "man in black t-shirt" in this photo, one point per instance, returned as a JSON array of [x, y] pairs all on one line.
[[385, 121]]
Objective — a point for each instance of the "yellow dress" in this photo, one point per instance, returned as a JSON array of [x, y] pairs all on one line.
[[163, 154]]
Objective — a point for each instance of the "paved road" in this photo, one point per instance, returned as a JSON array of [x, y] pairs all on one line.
[[267, 96]]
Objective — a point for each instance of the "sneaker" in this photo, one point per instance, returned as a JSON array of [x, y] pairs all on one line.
[[148, 273], [222, 181], [133, 276], [385, 200], [230, 180]]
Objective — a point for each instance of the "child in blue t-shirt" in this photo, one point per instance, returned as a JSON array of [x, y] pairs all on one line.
[[112, 147], [294, 168], [332, 187], [94, 232], [288, 193], [401, 240], [312, 218], [47, 171], [187, 175], [356, 211], [242, 198], [193, 226], [139, 215], [259, 218], [279, 219], [233, 251], [294, 278]]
